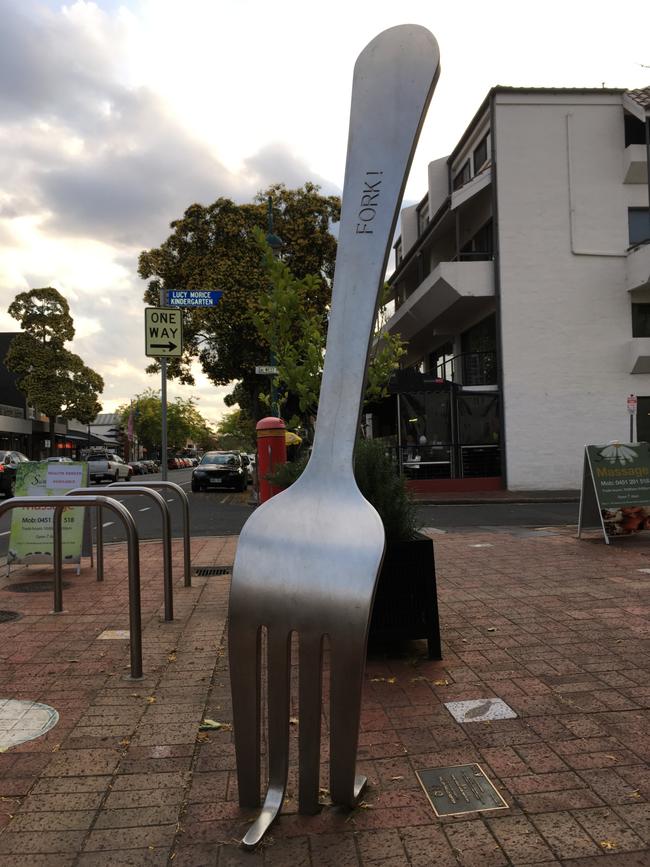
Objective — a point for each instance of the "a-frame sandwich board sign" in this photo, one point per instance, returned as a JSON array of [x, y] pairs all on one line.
[[615, 492]]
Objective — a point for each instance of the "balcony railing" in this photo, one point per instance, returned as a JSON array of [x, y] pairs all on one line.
[[482, 256], [447, 461], [470, 368]]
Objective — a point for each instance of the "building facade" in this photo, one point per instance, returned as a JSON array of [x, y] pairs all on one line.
[[24, 429], [522, 285]]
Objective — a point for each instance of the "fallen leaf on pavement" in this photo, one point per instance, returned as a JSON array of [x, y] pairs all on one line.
[[212, 725]]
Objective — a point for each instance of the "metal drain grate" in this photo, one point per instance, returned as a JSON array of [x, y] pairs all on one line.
[[34, 587], [459, 789], [210, 571], [6, 616]]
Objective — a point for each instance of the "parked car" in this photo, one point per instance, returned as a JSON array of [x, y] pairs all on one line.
[[139, 468], [105, 466], [152, 466], [9, 463], [60, 461], [220, 469]]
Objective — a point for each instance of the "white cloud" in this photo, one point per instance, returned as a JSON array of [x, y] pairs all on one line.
[[115, 116]]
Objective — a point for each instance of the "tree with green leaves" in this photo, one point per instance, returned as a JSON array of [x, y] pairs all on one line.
[[236, 430], [213, 248], [55, 381], [184, 422], [296, 331]]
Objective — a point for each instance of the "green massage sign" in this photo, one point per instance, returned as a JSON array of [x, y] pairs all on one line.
[[616, 489]]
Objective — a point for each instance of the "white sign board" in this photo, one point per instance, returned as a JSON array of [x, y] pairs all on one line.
[[163, 329], [631, 403], [266, 370]]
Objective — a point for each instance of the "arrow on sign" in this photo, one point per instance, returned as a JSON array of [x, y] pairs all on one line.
[[168, 346]]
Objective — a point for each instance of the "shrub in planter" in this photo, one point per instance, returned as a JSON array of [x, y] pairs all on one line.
[[406, 601]]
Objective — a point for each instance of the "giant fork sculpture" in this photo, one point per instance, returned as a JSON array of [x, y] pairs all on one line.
[[307, 560]]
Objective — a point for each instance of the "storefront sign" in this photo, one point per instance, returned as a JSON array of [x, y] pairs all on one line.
[[616, 489], [31, 529]]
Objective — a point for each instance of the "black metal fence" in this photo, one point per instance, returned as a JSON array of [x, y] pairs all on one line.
[[447, 461]]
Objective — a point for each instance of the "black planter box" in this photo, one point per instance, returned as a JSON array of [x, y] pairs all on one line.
[[406, 601]]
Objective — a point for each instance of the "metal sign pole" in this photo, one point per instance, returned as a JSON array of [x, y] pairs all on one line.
[[163, 400], [631, 408], [163, 403]]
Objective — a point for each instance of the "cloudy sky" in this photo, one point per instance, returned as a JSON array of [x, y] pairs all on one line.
[[115, 116]]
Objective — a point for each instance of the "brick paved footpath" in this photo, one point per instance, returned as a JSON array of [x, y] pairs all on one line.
[[556, 627]]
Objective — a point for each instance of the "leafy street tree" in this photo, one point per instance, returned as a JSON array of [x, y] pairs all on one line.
[[55, 381], [296, 332], [213, 248], [236, 430], [184, 422]]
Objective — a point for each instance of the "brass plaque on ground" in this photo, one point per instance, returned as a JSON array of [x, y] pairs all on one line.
[[459, 789]]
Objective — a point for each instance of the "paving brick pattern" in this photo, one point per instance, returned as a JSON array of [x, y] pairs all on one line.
[[557, 628]]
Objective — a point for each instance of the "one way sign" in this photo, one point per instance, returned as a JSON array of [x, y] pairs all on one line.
[[163, 330]]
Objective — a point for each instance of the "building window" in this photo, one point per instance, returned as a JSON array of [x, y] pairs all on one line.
[[398, 253], [634, 130], [479, 357], [480, 247], [481, 154], [423, 215], [461, 177], [640, 320], [638, 220]]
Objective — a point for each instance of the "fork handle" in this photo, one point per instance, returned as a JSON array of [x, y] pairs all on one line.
[[394, 80]]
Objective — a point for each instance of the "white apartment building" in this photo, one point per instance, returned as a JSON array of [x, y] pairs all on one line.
[[522, 285]]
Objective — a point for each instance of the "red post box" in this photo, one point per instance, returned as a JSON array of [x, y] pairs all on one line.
[[271, 451]]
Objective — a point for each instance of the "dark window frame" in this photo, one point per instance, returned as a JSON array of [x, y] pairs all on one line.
[[638, 222], [462, 176], [482, 145], [422, 210], [634, 130], [640, 319]]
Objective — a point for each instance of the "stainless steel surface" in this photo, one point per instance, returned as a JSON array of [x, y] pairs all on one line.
[[133, 555], [185, 511], [308, 559], [139, 490]]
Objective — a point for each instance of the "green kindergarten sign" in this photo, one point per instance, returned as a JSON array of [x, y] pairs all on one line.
[[31, 538], [616, 488]]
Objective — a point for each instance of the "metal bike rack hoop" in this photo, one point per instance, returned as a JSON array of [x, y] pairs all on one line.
[[137, 490], [185, 509], [58, 504]]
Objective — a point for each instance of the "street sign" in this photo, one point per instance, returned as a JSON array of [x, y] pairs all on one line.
[[266, 370], [190, 298], [631, 403], [163, 332]]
